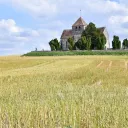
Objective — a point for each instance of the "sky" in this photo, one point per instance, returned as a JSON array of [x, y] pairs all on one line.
[[29, 24]]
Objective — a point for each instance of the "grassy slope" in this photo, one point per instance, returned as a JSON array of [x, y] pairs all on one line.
[[72, 53], [52, 92]]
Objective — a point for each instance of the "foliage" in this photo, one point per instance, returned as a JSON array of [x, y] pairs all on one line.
[[98, 40], [125, 43], [74, 53], [81, 43], [55, 45], [71, 44], [51, 43], [88, 43], [90, 30], [116, 43], [101, 41]]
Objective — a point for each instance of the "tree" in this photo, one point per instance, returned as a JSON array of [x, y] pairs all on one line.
[[125, 43], [116, 43], [98, 40], [55, 45], [90, 30], [101, 41], [81, 43], [88, 43], [71, 43], [51, 43]]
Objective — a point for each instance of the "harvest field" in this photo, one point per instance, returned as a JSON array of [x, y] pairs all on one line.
[[64, 92]]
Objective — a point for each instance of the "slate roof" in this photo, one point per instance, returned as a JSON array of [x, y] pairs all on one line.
[[66, 34], [101, 29], [79, 22]]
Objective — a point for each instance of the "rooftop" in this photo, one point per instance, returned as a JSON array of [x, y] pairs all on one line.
[[79, 22], [66, 33]]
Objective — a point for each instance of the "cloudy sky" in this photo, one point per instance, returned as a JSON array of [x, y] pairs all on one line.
[[27, 24]]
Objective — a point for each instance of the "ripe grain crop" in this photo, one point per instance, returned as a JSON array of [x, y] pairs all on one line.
[[99, 64], [63, 92]]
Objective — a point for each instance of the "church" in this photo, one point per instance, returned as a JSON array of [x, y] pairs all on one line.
[[77, 28]]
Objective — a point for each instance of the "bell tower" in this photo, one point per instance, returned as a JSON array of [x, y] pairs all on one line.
[[77, 28]]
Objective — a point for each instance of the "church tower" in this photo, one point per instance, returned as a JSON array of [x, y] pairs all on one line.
[[77, 28]]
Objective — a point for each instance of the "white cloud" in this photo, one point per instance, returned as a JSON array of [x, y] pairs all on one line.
[[120, 25], [16, 39], [9, 25], [47, 8], [60, 15], [10, 31], [118, 19], [38, 8], [106, 6]]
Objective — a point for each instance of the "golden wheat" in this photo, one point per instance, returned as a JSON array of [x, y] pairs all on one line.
[[64, 92]]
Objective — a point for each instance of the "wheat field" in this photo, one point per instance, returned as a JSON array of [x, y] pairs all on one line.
[[64, 92]]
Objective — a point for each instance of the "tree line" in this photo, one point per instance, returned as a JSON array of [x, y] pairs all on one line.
[[116, 43], [91, 38]]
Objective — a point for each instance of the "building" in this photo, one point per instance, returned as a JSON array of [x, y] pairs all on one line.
[[77, 28]]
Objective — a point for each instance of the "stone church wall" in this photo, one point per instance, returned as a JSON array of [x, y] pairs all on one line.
[[107, 38], [64, 44]]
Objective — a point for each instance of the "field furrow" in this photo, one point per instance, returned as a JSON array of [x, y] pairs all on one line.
[[126, 66], [99, 65], [109, 66]]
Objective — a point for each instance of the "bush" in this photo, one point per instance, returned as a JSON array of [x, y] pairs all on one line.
[[73, 53]]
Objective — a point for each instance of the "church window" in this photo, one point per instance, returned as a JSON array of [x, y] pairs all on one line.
[[79, 27], [76, 28]]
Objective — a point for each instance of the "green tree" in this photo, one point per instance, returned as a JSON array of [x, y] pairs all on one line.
[[51, 43], [98, 40], [88, 43], [90, 30], [125, 43], [55, 45], [71, 43], [101, 41], [116, 43], [81, 43]]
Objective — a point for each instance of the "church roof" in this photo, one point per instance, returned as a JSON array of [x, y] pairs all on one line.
[[66, 34], [80, 22], [101, 29]]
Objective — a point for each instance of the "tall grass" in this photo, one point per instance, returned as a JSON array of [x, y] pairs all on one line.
[[64, 92]]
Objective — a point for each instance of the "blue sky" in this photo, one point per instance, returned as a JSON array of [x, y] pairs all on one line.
[[26, 24]]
